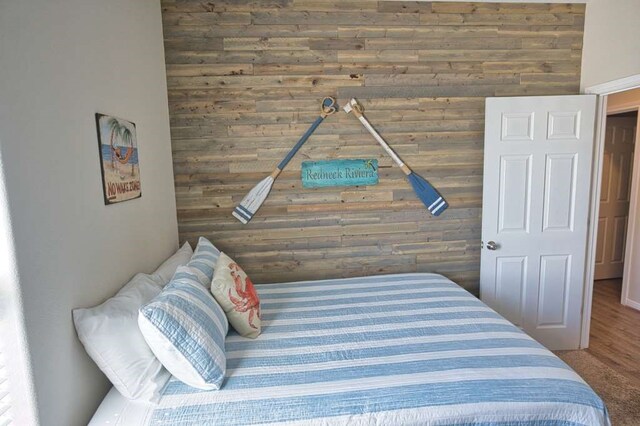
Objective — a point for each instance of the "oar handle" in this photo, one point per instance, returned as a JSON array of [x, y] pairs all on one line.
[[328, 108], [358, 111], [301, 142]]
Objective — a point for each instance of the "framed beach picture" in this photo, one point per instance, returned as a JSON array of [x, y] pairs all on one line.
[[118, 159]]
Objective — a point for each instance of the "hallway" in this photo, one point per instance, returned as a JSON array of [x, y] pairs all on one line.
[[615, 330]]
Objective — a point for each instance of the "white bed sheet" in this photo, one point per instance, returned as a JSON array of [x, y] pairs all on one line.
[[115, 409]]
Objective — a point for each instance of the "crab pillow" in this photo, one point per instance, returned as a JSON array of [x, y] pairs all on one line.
[[235, 293]]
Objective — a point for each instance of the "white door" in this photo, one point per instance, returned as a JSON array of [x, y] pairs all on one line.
[[614, 197], [537, 177]]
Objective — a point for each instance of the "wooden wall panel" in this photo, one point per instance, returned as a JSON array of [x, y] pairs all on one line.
[[245, 79]]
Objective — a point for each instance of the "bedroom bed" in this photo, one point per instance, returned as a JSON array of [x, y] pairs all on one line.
[[404, 349]]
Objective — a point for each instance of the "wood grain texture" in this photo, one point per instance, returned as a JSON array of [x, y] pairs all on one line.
[[245, 79], [615, 335]]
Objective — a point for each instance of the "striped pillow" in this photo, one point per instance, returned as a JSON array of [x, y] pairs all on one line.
[[185, 328], [204, 260]]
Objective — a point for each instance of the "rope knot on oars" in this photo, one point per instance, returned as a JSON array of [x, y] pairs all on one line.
[[328, 106]]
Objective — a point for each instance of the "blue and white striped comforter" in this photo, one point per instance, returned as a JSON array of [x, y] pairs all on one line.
[[385, 350]]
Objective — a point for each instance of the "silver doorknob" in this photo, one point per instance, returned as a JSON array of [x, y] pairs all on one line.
[[491, 245]]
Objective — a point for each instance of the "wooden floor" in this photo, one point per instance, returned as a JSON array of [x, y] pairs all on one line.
[[615, 330]]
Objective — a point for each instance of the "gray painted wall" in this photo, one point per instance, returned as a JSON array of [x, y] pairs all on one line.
[[60, 63]]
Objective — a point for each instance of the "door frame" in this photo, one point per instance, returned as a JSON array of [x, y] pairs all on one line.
[[603, 90]]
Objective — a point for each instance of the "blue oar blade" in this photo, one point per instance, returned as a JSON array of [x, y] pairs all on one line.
[[430, 197]]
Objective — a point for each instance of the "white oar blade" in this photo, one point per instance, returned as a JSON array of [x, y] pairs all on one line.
[[253, 200]]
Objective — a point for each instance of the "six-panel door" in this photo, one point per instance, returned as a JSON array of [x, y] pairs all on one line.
[[615, 196], [537, 177]]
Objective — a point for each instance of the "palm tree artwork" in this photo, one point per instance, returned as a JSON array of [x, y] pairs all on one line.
[[120, 132], [118, 158]]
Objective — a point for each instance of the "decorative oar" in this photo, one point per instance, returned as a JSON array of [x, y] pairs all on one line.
[[429, 196], [254, 199]]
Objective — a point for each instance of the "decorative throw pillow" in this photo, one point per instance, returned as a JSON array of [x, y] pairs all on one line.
[[112, 339], [180, 258], [204, 260], [185, 328], [234, 291]]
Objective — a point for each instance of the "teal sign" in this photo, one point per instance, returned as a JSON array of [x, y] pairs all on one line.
[[318, 174]]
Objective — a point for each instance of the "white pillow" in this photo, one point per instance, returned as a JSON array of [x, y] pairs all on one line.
[[110, 334], [185, 328], [169, 266]]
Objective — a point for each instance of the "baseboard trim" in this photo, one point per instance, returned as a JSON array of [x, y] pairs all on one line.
[[631, 303]]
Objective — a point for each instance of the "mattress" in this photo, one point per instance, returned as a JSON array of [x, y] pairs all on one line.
[[406, 349]]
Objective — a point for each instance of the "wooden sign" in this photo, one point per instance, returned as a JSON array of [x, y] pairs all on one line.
[[118, 159], [318, 174]]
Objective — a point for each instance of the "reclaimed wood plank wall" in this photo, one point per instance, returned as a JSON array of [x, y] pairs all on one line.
[[245, 78]]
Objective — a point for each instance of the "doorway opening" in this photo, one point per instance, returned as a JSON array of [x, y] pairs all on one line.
[[618, 238], [611, 321], [615, 194], [618, 100]]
